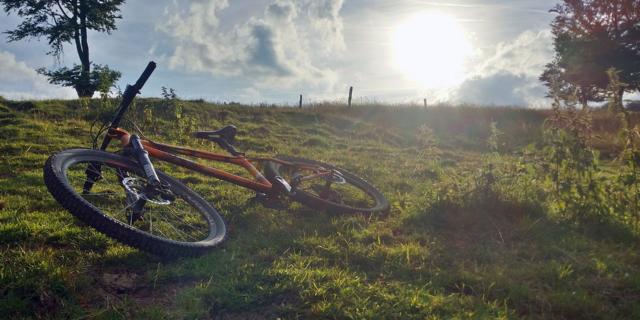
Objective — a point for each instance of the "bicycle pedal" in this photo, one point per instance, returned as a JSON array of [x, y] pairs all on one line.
[[269, 202]]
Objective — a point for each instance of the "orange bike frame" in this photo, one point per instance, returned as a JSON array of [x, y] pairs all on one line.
[[168, 153]]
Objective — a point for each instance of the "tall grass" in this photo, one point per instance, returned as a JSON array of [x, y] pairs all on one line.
[[493, 215]]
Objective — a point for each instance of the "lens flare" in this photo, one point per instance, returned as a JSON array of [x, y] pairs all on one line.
[[431, 48]]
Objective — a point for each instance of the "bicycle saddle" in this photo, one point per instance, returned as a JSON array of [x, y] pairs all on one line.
[[228, 133]]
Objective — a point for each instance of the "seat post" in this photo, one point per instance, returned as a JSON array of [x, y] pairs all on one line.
[[223, 137], [227, 146]]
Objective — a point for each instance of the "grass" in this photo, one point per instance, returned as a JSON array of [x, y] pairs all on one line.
[[443, 251]]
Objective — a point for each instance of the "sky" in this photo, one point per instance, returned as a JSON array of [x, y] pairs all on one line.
[[485, 52]]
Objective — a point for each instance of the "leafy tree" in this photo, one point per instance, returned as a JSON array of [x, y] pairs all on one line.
[[590, 37], [68, 21], [558, 82]]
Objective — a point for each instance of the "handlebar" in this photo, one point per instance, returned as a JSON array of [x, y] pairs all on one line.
[[145, 75], [129, 93]]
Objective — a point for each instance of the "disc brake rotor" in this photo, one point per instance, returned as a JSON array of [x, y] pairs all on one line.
[[137, 186], [335, 177]]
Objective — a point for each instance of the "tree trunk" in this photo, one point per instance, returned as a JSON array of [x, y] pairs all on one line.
[[84, 91], [584, 100], [619, 96], [84, 58], [84, 88]]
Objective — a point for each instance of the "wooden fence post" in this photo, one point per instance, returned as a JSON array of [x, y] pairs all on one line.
[[300, 102], [350, 95]]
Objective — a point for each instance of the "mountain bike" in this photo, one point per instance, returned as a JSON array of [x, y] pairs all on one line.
[[124, 196]]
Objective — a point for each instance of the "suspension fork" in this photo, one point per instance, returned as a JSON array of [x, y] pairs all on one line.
[[136, 150], [153, 182], [93, 171], [142, 155]]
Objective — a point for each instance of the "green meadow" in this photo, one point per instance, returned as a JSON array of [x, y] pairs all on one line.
[[492, 216]]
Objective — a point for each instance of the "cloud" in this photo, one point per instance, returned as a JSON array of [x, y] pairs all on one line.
[[282, 10], [501, 89], [283, 45], [326, 23], [509, 76], [265, 52], [526, 55], [19, 81]]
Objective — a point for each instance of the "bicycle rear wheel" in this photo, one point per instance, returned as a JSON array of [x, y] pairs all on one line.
[[346, 193], [178, 223]]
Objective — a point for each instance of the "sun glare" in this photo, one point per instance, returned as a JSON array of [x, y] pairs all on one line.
[[431, 48]]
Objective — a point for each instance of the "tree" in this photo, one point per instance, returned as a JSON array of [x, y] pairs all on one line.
[[590, 37], [68, 21], [558, 82]]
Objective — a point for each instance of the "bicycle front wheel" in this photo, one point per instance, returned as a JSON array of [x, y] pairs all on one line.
[[179, 223], [346, 193]]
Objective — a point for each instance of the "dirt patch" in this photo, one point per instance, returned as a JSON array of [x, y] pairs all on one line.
[[120, 287], [120, 282]]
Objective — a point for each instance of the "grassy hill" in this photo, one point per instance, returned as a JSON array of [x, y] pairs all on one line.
[[474, 231]]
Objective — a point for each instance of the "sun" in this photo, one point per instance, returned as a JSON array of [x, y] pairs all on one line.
[[431, 48]]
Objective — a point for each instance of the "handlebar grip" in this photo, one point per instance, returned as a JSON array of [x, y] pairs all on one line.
[[145, 75]]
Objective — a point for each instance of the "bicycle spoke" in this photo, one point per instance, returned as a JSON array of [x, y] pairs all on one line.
[[340, 193], [178, 220], [175, 229], [186, 225]]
